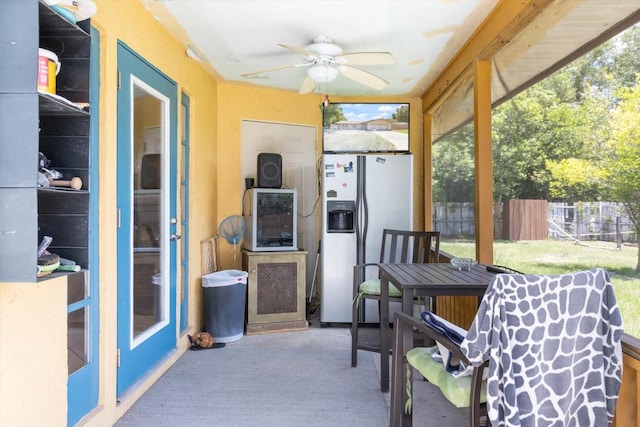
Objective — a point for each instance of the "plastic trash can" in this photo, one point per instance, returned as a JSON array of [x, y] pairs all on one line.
[[224, 304]]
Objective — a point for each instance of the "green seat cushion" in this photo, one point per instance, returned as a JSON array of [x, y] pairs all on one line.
[[456, 390], [372, 287]]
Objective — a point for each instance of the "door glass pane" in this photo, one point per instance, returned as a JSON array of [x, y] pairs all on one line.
[[77, 339], [77, 321], [148, 232], [77, 287]]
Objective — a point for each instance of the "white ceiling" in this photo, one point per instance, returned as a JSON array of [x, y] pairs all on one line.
[[242, 36], [235, 37]]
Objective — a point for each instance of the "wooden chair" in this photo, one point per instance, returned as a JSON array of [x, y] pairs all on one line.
[[540, 339], [209, 255], [398, 246], [462, 392]]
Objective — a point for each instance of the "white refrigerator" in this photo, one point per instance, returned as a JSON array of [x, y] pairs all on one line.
[[362, 194]]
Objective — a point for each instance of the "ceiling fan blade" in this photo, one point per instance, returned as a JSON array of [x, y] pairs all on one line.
[[363, 77], [366, 58], [308, 86], [268, 70], [301, 51]]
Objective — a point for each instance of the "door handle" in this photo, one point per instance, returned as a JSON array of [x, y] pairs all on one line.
[[175, 236]]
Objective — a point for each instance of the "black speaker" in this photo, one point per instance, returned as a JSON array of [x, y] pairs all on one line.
[[269, 170]]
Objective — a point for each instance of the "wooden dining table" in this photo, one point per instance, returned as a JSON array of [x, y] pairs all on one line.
[[427, 281]]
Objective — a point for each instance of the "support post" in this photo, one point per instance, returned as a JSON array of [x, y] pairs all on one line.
[[483, 161]]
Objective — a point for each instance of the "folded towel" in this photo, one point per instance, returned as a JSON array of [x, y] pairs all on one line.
[[455, 334]]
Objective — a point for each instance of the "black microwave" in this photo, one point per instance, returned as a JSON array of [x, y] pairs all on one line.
[[271, 217]]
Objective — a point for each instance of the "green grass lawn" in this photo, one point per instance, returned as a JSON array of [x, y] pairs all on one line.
[[550, 257]]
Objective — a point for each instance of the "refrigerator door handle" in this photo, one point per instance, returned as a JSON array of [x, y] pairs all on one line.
[[365, 209], [358, 218]]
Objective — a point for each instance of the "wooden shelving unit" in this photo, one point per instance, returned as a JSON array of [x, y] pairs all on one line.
[[32, 122]]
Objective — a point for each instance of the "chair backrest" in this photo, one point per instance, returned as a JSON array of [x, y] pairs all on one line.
[[409, 247], [552, 341]]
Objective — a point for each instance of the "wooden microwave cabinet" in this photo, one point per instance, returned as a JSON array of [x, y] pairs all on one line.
[[276, 288]]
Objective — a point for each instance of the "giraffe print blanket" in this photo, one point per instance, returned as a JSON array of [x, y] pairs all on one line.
[[554, 348]]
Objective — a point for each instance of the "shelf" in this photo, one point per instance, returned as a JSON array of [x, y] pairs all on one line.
[[72, 44], [52, 24], [53, 105], [57, 125], [64, 190], [56, 273]]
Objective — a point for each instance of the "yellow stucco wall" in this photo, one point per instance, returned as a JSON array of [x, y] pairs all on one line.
[[33, 353], [216, 184], [239, 101]]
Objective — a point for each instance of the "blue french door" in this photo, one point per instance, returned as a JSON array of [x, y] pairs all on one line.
[[147, 232], [83, 336], [183, 285]]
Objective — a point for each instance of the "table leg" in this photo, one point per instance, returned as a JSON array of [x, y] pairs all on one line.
[[385, 333], [407, 302], [406, 332], [396, 381]]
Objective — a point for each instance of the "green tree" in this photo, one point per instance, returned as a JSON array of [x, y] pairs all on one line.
[[551, 141], [575, 180], [627, 49], [522, 142], [611, 66], [623, 164], [542, 127], [331, 114], [401, 114], [453, 167]]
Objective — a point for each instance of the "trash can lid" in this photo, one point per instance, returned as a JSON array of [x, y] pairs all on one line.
[[224, 278]]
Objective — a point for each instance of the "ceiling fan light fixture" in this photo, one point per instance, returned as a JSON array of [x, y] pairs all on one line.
[[322, 73], [322, 46]]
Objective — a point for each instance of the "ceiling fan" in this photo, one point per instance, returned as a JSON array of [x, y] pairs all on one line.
[[326, 60]]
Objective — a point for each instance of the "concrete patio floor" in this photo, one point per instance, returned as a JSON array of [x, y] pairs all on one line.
[[282, 379]]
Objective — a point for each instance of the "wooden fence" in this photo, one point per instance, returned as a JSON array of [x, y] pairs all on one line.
[[525, 220]]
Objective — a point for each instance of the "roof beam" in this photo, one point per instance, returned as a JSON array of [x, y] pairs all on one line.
[[505, 21]]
